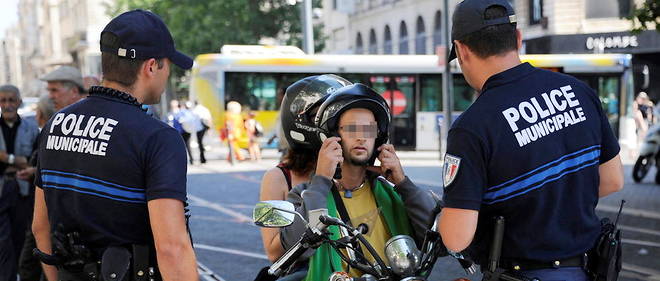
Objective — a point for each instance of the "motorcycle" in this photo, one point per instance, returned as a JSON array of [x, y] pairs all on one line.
[[648, 155], [406, 261]]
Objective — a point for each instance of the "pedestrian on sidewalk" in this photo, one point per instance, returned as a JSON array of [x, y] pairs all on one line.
[[204, 115], [17, 138], [535, 148], [235, 129], [65, 86], [191, 124], [254, 131]]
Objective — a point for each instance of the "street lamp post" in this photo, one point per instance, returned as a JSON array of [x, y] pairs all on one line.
[[447, 97], [308, 31]]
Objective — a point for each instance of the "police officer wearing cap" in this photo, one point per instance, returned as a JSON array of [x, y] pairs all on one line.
[[112, 180], [535, 148]]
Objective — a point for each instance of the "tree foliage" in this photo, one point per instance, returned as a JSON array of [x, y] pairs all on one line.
[[647, 14], [204, 26]]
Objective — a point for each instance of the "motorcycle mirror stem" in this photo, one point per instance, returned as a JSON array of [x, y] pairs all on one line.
[[291, 212]]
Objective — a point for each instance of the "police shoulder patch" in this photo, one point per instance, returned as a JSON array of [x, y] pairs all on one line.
[[450, 168]]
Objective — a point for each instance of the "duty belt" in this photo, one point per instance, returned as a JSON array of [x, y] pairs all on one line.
[[525, 265]]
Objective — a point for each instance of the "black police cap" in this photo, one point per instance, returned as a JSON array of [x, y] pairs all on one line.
[[143, 35], [469, 17]]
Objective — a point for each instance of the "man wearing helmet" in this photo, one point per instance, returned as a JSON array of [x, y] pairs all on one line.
[[299, 160], [352, 126]]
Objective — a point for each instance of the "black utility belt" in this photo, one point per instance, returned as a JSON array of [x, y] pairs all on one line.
[[120, 263], [525, 265]]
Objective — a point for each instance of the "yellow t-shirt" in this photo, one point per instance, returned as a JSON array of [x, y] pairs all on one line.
[[362, 208]]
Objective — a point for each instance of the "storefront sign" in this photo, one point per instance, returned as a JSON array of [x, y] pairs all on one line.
[[611, 42]]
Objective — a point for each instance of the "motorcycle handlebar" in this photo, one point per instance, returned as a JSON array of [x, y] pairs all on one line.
[[328, 220], [291, 255], [287, 259]]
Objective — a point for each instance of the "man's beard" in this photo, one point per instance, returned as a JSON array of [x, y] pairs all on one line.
[[359, 162]]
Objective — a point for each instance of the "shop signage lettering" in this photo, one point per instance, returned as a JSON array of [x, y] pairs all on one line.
[[612, 42]]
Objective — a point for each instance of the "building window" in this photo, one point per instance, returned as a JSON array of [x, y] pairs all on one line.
[[420, 37], [607, 8], [373, 45], [437, 29], [535, 11], [359, 47], [387, 42], [403, 39], [625, 8]]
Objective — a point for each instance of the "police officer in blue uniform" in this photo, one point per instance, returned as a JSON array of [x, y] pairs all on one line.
[[535, 148], [112, 180]]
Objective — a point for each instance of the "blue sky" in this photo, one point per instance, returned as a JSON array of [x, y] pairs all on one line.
[[8, 15]]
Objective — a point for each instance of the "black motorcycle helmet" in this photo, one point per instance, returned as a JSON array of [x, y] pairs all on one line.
[[299, 109], [353, 96]]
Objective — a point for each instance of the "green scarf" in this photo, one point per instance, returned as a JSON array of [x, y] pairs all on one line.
[[325, 260]]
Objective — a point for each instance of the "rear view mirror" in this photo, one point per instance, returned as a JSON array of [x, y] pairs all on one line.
[[274, 213]]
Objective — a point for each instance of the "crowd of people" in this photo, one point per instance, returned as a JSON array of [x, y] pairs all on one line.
[[190, 118]]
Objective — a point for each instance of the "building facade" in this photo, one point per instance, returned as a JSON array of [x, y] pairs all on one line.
[[591, 26], [383, 26], [11, 53], [48, 34]]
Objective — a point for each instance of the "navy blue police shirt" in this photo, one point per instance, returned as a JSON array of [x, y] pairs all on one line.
[[100, 161], [528, 149]]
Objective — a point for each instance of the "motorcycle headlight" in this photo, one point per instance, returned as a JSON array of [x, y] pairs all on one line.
[[403, 255]]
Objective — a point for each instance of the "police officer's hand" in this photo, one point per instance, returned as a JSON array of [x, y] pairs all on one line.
[[329, 156], [390, 166]]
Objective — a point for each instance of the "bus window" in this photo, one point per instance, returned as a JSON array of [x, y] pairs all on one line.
[[399, 92], [431, 93], [608, 90], [464, 95], [258, 91]]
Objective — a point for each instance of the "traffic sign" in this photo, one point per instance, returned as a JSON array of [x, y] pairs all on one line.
[[396, 101]]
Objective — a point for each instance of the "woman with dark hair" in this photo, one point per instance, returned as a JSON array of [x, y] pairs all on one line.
[[296, 168]]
